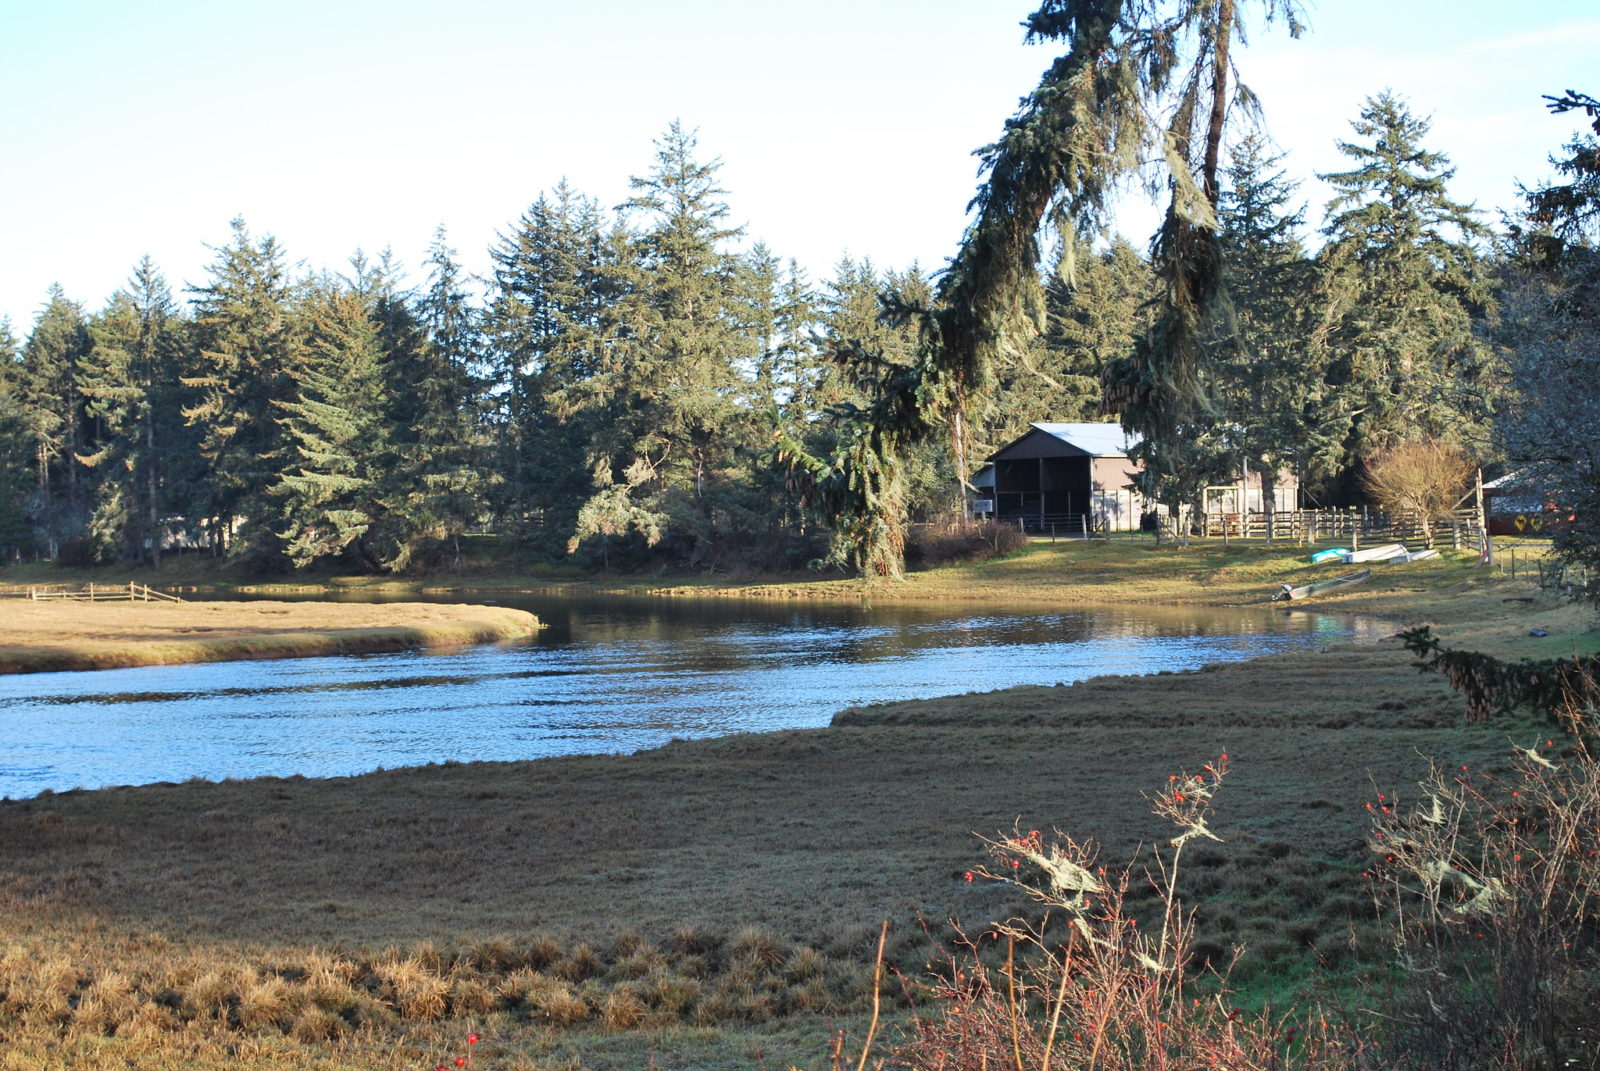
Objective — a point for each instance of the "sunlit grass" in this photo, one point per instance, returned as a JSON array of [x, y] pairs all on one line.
[[63, 635], [716, 903]]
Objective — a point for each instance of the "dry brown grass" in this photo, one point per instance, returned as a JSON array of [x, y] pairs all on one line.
[[715, 884], [59, 635], [721, 896]]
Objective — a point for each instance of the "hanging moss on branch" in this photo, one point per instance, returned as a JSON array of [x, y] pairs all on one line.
[[1565, 690], [1138, 82]]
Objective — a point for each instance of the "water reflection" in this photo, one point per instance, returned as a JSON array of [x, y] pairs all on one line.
[[604, 676]]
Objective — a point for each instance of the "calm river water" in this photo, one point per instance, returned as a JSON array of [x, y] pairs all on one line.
[[604, 676]]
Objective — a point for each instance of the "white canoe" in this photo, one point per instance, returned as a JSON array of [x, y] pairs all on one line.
[[1376, 554]]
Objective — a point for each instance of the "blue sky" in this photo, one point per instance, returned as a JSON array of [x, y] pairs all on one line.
[[133, 127]]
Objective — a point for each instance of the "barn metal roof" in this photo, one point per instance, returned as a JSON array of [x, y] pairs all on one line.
[[1097, 440]]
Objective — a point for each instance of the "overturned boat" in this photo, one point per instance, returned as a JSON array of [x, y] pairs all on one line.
[[1289, 593]]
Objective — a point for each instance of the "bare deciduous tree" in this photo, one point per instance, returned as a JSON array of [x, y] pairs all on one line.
[[1422, 478]]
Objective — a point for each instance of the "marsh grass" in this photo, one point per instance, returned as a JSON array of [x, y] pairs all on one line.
[[722, 896], [53, 998], [56, 636], [1107, 980], [761, 868]]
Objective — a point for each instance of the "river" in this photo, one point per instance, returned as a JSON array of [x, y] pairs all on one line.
[[605, 675]]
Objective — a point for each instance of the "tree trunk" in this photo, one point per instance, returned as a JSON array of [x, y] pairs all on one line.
[[1219, 99], [1269, 487], [150, 491], [959, 435]]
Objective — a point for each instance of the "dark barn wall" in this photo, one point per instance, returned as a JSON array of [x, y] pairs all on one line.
[[1048, 486]]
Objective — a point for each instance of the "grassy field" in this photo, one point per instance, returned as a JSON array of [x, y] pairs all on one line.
[[40, 636], [1124, 570], [716, 903]]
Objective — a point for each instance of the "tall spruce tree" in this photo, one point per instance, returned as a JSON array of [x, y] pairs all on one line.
[[552, 335], [1270, 367], [16, 537], [432, 490], [1135, 77], [864, 493], [1096, 306], [53, 415], [247, 358], [664, 468], [1569, 211], [776, 312], [772, 312], [130, 383], [328, 494], [1164, 391], [850, 314], [1406, 289]]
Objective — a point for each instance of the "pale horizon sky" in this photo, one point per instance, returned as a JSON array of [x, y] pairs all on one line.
[[843, 128]]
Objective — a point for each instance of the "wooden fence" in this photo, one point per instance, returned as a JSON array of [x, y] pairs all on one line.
[[129, 592], [1311, 526], [1460, 529]]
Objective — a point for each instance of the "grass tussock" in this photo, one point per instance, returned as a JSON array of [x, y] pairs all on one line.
[[463, 883], [329, 995], [717, 903]]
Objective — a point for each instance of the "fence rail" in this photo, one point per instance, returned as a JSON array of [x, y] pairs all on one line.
[[1052, 524], [1310, 526], [129, 592], [1459, 529]]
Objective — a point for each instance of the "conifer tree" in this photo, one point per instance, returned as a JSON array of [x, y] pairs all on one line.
[[1164, 390], [551, 328], [53, 417], [1406, 288], [1569, 212], [1134, 77], [247, 359], [328, 495], [432, 490], [864, 492], [776, 311], [1551, 299], [853, 315], [850, 314], [773, 314], [1270, 374], [1095, 306], [130, 382], [665, 464], [16, 539]]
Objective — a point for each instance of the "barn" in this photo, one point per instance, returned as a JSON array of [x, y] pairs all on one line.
[[1520, 503], [1075, 478]]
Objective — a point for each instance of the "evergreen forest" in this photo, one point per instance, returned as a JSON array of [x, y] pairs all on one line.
[[637, 387]]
